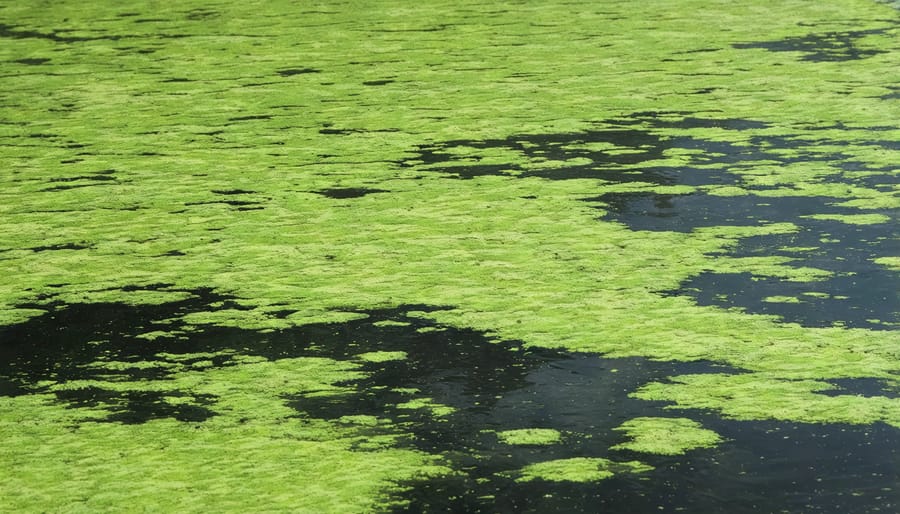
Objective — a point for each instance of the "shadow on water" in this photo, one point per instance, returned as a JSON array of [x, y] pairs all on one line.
[[484, 386]]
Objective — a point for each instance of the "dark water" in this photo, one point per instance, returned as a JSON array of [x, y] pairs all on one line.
[[763, 466], [821, 47]]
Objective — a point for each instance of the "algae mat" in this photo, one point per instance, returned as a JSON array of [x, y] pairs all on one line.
[[474, 257]]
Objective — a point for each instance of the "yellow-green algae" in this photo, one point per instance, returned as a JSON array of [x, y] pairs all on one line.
[[579, 469], [381, 356], [853, 219], [890, 262], [751, 396], [436, 409], [781, 299], [256, 446], [530, 436], [205, 109], [665, 436]]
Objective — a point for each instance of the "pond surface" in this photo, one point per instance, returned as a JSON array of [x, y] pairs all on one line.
[[563, 257], [482, 389]]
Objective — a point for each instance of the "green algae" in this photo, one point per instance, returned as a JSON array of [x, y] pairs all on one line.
[[381, 356], [391, 323], [530, 436], [665, 436], [269, 451], [749, 396], [579, 469], [436, 409], [212, 105], [890, 262], [781, 299], [857, 219]]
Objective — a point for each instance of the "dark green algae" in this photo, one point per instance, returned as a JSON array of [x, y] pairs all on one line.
[[208, 173]]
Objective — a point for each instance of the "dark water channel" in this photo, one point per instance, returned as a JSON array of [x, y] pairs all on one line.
[[763, 466]]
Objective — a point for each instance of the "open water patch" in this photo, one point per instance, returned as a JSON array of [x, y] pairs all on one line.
[[345, 193], [99, 347], [856, 293], [762, 467], [573, 152], [290, 72], [643, 210], [33, 61], [827, 46], [868, 387]]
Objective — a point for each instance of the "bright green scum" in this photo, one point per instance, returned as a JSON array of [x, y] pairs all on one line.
[[189, 145]]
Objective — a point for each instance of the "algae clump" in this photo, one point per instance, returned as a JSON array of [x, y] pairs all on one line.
[[530, 436], [579, 469], [665, 436]]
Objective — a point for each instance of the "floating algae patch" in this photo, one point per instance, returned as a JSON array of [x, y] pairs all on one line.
[[578, 469], [853, 219], [381, 356], [665, 436], [748, 396], [888, 262], [538, 436]]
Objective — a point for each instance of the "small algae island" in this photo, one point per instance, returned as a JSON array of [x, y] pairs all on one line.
[[347, 257]]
